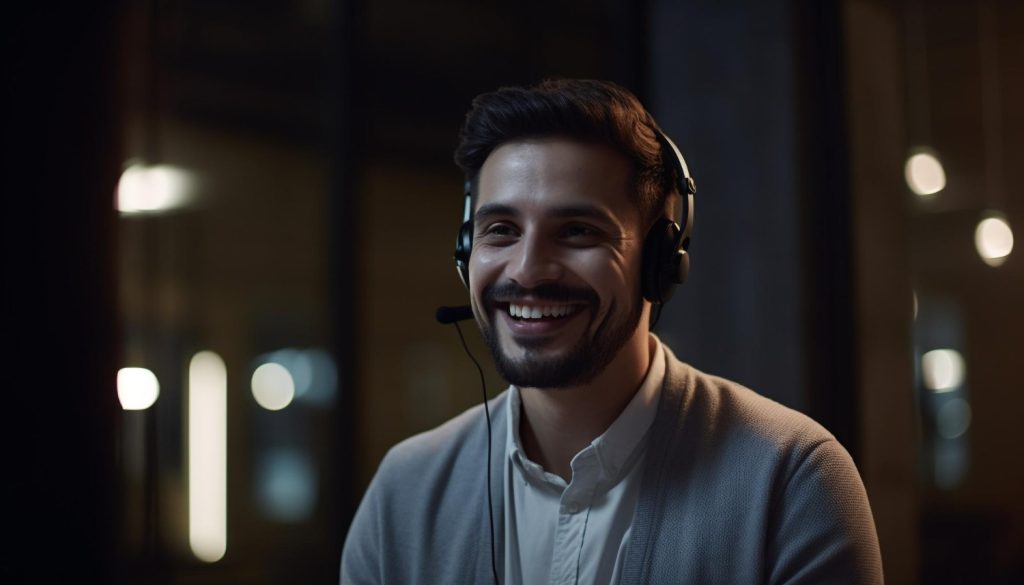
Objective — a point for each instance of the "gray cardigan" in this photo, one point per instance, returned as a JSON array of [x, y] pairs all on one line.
[[736, 489]]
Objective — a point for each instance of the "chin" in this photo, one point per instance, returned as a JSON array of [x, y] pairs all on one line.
[[548, 365], [563, 359]]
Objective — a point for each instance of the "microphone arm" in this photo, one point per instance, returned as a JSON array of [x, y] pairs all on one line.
[[449, 315]]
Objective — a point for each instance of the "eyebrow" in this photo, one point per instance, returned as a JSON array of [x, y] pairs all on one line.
[[564, 212], [493, 209]]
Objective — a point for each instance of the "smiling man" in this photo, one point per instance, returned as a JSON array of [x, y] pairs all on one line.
[[616, 462]]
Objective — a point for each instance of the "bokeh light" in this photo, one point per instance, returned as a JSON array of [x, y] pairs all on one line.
[[207, 456], [287, 485], [993, 239], [325, 378], [924, 174], [942, 369], [298, 364], [153, 189], [953, 418], [273, 386], [137, 388]]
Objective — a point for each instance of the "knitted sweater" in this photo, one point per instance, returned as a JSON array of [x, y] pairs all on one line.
[[736, 489]]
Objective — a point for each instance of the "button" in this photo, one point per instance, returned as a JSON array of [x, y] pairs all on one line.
[[571, 508]]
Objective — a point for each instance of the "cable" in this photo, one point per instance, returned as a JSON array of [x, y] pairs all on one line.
[[487, 412]]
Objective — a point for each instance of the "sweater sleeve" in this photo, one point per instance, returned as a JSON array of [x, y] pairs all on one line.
[[360, 558], [823, 531]]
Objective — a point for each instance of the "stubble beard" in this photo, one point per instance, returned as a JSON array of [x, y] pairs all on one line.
[[590, 355]]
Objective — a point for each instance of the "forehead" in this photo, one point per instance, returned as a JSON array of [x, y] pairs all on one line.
[[539, 174]]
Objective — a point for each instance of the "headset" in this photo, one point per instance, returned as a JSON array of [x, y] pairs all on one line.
[[666, 264], [666, 260]]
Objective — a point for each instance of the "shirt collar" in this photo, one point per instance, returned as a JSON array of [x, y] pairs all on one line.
[[618, 445]]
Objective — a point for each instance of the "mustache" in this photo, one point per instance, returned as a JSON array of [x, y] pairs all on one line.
[[557, 293]]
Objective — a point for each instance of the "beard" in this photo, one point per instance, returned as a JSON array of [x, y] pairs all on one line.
[[582, 362]]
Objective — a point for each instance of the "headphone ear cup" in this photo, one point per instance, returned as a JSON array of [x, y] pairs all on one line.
[[683, 262], [665, 262], [655, 246], [463, 249]]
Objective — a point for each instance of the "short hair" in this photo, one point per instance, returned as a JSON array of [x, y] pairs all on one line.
[[583, 109]]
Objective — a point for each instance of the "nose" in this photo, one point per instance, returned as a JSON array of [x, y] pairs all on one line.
[[534, 261]]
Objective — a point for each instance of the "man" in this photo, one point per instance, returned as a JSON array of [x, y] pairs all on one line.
[[615, 462]]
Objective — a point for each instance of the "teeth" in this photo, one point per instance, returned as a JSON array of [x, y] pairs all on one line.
[[524, 312]]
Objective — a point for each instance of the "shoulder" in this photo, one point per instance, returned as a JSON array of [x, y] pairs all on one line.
[[763, 478], [718, 431], [819, 522], [427, 463], [723, 409], [436, 452], [424, 487]]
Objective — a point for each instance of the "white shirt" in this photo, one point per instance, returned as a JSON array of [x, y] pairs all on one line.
[[578, 532]]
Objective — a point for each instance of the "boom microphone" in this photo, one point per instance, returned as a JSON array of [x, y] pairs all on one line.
[[448, 315]]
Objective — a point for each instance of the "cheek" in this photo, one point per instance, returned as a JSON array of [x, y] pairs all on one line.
[[484, 268], [611, 275], [614, 276]]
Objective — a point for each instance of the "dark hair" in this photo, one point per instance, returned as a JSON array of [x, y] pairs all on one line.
[[582, 109]]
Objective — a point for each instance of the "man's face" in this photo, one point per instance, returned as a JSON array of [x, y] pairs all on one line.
[[555, 268]]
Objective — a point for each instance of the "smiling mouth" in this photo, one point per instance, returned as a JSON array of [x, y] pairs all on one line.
[[548, 312]]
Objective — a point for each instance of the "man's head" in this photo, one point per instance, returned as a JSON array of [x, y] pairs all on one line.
[[584, 109], [567, 178]]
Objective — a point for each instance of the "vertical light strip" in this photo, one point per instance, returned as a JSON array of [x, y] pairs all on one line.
[[207, 456]]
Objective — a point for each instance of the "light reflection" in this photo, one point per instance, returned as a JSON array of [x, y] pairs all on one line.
[[298, 365], [153, 189], [325, 378], [207, 456], [942, 369], [924, 174], [313, 374], [287, 485], [953, 418], [273, 386], [137, 388], [993, 239], [952, 459]]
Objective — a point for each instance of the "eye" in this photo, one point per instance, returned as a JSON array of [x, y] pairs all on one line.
[[500, 229], [499, 233], [580, 234]]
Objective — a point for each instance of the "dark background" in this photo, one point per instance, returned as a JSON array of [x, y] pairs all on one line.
[[320, 137]]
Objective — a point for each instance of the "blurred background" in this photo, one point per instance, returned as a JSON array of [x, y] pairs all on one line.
[[227, 226]]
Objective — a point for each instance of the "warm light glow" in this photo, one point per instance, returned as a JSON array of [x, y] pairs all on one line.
[[994, 240], [942, 369], [207, 456], [137, 388], [152, 189], [924, 174], [273, 386]]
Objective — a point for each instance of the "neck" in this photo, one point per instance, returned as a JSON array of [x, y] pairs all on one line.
[[556, 424]]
